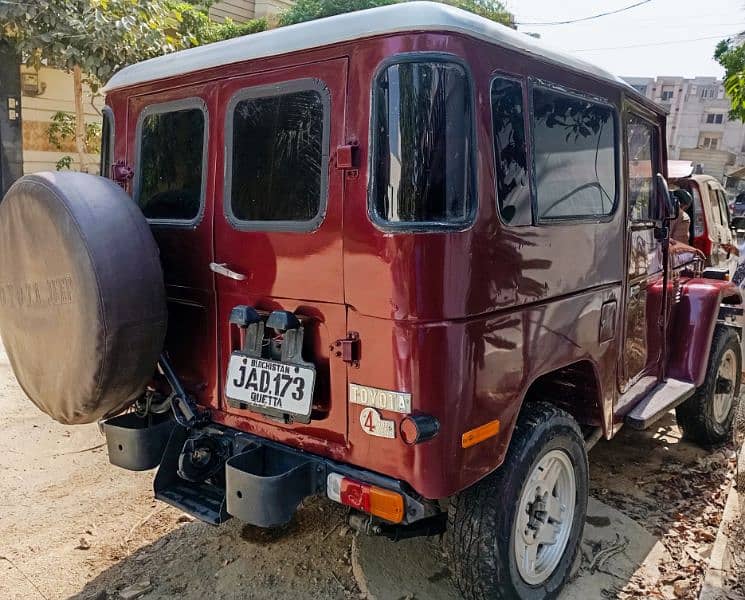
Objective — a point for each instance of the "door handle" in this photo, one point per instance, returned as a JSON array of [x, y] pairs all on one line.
[[222, 269]]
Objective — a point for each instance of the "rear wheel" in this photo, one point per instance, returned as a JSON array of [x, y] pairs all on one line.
[[707, 417], [515, 534]]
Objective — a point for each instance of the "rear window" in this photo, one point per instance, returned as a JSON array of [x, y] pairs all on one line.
[[575, 156], [278, 157], [107, 142], [170, 173], [421, 160]]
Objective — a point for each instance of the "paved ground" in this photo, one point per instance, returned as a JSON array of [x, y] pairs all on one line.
[[73, 526]]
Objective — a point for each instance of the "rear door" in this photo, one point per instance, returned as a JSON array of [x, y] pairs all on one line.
[[174, 191], [278, 233]]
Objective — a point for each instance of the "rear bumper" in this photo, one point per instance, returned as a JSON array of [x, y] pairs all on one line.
[[256, 480]]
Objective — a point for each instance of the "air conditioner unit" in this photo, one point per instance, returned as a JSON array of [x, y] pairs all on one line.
[[31, 85]]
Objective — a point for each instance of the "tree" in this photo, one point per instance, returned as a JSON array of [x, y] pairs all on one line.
[[92, 39], [308, 10], [730, 53]]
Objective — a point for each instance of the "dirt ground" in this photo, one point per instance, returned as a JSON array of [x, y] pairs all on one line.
[[72, 526]]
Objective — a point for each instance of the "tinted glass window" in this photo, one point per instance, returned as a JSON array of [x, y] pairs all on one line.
[[513, 192], [422, 164], [171, 162], [575, 168], [278, 157], [699, 224], [714, 203], [107, 143], [723, 209], [641, 148]]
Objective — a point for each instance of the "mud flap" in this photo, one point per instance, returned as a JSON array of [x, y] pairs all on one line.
[[265, 485], [137, 443]]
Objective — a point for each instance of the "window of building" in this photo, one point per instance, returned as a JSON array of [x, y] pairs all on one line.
[[574, 155], [642, 89], [641, 143], [708, 92], [709, 143], [513, 190], [170, 184], [422, 145], [667, 93], [715, 118], [278, 156]]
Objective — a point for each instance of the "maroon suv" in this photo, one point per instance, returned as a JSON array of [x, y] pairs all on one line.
[[405, 258]]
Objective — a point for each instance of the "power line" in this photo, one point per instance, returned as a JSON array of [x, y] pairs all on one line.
[[709, 37], [605, 14]]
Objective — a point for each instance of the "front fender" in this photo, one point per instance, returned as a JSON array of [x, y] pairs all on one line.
[[692, 324]]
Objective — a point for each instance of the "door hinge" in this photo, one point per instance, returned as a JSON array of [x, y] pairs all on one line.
[[348, 348]]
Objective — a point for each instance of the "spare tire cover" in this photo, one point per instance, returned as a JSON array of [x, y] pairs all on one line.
[[82, 300]]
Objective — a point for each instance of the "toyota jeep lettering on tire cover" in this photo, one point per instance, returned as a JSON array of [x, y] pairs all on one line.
[[406, 258]]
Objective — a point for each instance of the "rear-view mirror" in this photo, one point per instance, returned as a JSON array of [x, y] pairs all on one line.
[[666, 205]]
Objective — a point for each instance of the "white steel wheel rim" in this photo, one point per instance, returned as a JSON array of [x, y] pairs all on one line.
[[544, 517], [722, 401]]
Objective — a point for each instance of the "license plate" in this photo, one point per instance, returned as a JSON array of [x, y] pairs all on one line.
[[270, 386]]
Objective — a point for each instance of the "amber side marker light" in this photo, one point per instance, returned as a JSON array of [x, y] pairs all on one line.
[[368, 498], [480, 433]]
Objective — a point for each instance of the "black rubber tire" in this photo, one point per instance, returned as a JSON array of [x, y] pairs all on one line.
[[82, 301], [480, 520], [696, 415]]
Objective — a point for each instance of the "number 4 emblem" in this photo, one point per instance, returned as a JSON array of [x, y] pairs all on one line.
[[374, 424]]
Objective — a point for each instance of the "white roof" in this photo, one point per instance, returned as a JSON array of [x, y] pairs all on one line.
[[395, 18]]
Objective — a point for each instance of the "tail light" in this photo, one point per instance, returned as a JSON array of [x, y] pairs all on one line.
[[368, 498]]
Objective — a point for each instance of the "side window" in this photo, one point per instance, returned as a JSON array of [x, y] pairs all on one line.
[[513, 190], [170, 171], [723, 207], [714, 202], [641, 147], [107, 143], [278, 158], [575, 156], [699, 219], [421, 159]]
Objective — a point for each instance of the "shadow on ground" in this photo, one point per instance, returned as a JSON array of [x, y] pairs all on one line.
[[237, 560], [649, 528]]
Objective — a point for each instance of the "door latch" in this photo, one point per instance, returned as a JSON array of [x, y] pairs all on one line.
[[222, 269], [348, 349]]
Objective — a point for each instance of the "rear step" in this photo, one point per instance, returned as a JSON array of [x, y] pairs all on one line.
[[201, 500], [258, 484], [658, 402]]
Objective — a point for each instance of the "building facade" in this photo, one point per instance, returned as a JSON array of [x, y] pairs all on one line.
[[11, 147], [698, 124]]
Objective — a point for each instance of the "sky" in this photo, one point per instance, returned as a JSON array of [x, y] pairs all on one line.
[[664, 35]]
